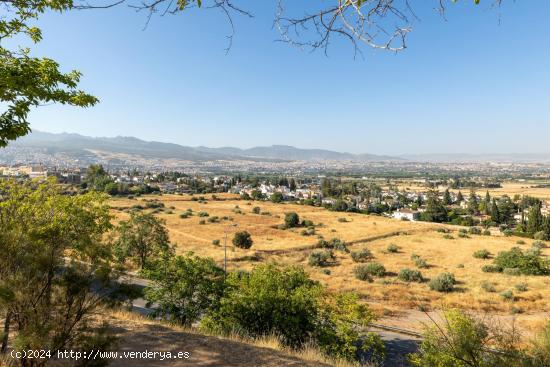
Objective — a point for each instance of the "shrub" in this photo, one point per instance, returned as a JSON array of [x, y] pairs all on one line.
[[507, 295], [203, 214], [491, 269], [320, 258], [539, 244], [335, 243], [392, 248], [486, 232], [512, 271], [408, 275], [214, 219], [292, 220], [421, 263], [444, 282], [462, 235], [488, 287], [362, 273], [216, 242], [482, 254], [474, 230], [526, 263], [508, 232], [373, 269], [184, 215], [361, 255], [520, 242], [256, 210], [541, 236], [521, 287], [271, 300], [448, 237], [442, 230], [342, 220], [242, 240], [307, 223], [202, 221]]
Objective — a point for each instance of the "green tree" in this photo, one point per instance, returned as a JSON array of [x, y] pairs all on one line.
[[96, 178], [243, 240], [53, 256], [284, 301], [142, 238], [487, 203], [292, 185], [534, 219], [495, 212], [292, 220], [447, 200], [276, 197], [27, 81], [473, 203], [184, 287], [459, 197], [435, 210]]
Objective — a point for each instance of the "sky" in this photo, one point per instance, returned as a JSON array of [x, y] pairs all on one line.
[[475, 82]]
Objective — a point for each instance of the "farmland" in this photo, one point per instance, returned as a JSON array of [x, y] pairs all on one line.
[[209, 220]]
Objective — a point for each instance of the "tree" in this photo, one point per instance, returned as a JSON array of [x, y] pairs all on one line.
[[184, 288], [277, 197], [242, 240], [143, 238], [534, 219], [487, 204], [459, 197], [284, 301], [495, 213], [98, 179], [28, 81], [292, 220], [292, 184], [435, 210], [447, 200], [473, 203], [55, 268]]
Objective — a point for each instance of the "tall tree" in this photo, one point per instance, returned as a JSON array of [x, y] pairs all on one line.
[[495, 213], [447, 200], [459, 197], [534, 219], [487, 204], [473, 203], [142, 238]]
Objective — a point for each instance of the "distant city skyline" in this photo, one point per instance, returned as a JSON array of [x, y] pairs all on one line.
[[464, 85]]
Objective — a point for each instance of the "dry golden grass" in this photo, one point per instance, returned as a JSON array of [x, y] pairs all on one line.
[[136, 333], [387, 296]]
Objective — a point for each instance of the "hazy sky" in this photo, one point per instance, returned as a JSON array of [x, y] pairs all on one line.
[[467, 84]]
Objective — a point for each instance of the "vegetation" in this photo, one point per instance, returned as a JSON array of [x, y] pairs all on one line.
[[526, 263], [444, 282], [482, 254], [243, 240], [408, 275], [363, 255], [371, 269]]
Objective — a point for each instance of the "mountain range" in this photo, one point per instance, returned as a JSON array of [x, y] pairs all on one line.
[[76, 144]]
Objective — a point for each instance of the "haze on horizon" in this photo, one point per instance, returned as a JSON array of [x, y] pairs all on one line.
[[465, 85]]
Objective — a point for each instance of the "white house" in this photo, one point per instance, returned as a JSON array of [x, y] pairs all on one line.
[[406, 214]]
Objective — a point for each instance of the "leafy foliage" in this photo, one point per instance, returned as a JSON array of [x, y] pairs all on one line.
[[444, 282], [243, 240]]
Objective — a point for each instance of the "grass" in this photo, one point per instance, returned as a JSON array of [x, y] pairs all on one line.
[[374, 233]]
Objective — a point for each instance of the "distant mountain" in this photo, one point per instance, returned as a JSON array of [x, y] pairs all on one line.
[[76, 144]]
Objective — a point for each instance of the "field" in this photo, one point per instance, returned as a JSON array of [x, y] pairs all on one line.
[[387, 295]]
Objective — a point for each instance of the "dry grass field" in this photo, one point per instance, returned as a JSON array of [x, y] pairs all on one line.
[[387, 295]]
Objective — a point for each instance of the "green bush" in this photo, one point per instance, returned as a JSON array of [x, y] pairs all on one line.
[[507, 295], [321, 258], [520, 242], [285, 302], [442, 230], [202, 221], [392, 248], [526, 263], [444, 282], [292, 220], [409, 275], [256, 210], [361, 256], [491, 269], [448, 237], [216, 242], [511, 271], [203, 214], [482, 254], [474, 230], [521, 287], [541, 236], [486, 232], [342, 220], [184, 215], [372, 269], [421, 263], [362, 273], [243, 240], [488, 287]]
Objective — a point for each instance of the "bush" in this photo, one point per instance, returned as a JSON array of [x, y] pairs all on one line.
[[256, 210], [321, 258], [271, 300], [216, 242], [421, 263], [539, 245], [541, 236], [362, 273], [203, 214], [214, 219], [444, 282], [507, 295], [521, 287], [442, 230], [342, 220], [242, 240], [184, 215], [448, 237], [488, 287], [520, 242], [335, 243], [482, 254], [526, 263], [491, 269], [512, 271], [486, 232], [393, 248], [474, 230], [508, 232], [462, 235], [373, 269], [202, 221], [292, 220], [408, 275], [361, 256]]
